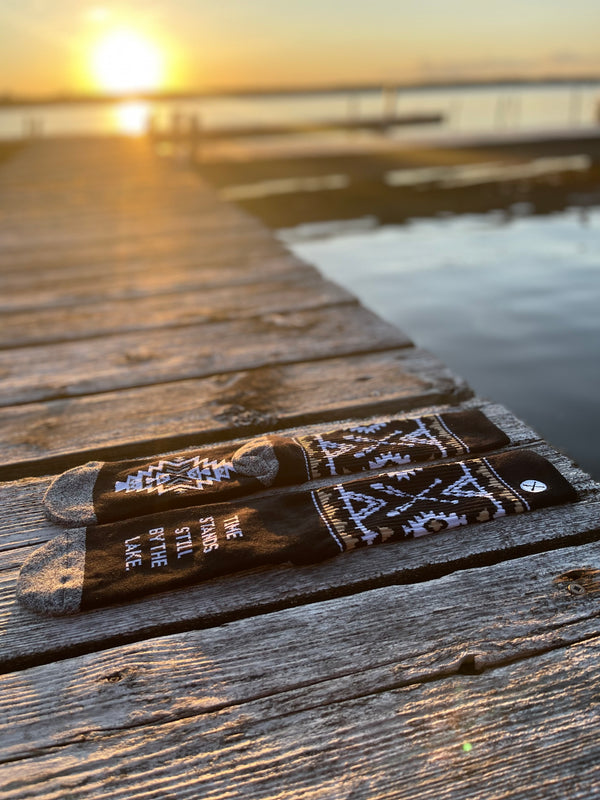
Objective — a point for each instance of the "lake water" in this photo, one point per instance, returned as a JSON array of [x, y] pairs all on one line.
[[465, 110], [512, 305]]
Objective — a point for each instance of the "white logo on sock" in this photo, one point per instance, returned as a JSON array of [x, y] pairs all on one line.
[[533, 486]]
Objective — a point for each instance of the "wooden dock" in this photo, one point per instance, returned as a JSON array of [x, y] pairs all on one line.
[[141, 315]]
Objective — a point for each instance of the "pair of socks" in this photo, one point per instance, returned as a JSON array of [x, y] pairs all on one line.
[[88, 567], [101, 492]]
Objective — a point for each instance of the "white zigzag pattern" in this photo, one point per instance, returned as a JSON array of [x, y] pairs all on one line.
[[177, 475]]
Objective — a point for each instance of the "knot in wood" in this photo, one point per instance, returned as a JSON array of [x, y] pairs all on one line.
[[577, 582]]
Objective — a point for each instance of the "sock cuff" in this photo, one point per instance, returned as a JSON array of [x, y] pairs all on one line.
[[399, 441], [405, 505]]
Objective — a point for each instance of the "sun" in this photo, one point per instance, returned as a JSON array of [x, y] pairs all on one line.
[[124, 61]]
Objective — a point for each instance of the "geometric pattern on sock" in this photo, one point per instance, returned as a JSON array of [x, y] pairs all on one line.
[[413, 503], [398, 442], [176, 475], [100, 565]]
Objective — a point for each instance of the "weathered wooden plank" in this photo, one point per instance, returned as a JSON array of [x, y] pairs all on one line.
[[136, 257], [143, 358], [91, 210], [83, 162], [357, 645], [26, 522], [24, 244], [179, 202], [166, 310], [29, 639], [42, 437], [373, 695], [149, 278], [514, 734], [166, 193], [173, 198], [203, 215]]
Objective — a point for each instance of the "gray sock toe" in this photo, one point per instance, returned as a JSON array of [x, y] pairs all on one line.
[[70, 499], [258, 460], [51, 579]]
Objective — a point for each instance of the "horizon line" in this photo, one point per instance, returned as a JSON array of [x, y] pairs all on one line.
[[7, 99]]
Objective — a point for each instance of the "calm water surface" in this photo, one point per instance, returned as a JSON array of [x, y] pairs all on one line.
[[465, 109], [512, 305]]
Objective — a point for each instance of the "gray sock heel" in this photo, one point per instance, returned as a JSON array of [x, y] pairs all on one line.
[[69, 498], [258, 460]]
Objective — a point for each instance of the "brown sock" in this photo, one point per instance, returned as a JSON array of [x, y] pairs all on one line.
[[100, 492], [87, 568]]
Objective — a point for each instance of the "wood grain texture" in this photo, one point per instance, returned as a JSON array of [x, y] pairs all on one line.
[[42, 437], [172, 275], [169, 309], [100, 233], [149, 357], [29, 639], [371, 696]]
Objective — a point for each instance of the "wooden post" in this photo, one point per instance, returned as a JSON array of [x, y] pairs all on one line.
[[195, 133], [500, 114], [390, 97], [353, 107], [574, 106]]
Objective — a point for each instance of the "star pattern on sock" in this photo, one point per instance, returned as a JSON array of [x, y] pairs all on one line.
[[176, 475]]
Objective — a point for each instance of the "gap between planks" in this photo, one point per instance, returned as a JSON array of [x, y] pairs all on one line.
[[28, 639], [392, 660], [46, 437], [23, 496], [150, 357]]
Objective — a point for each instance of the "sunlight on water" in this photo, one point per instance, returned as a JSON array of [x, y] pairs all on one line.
[[487, 172], [318, 183], [132, 118], [465, 110], [510, 304]]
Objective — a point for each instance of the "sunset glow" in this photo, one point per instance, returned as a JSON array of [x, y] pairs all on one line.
[[96, 46], [123, 61], [132, 118]]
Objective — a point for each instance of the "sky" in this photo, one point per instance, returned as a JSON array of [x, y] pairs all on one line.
[[49, 47]]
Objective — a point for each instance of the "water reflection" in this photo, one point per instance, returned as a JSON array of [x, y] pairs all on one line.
[[132, 118], [513, 308], [542, 178], [487, 172], [311, 183]]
